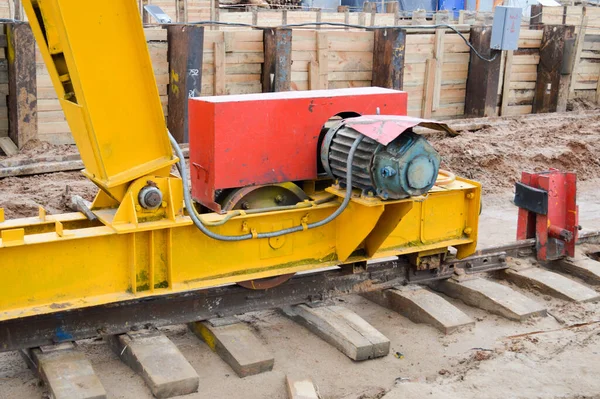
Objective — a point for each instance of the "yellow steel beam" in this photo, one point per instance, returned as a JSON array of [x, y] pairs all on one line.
[[50, 270], [98, 60]]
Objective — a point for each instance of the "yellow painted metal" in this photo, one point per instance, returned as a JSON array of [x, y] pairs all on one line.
[[99, 64], [96, 53], [51, 270]]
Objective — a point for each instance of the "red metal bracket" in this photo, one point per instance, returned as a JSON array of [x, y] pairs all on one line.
[[548, 212]]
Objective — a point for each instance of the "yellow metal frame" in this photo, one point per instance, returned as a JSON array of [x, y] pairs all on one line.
[[47, 268], [61, 262], [98, 60]]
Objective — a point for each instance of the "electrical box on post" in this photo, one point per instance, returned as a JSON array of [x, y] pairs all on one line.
[[506, 28]]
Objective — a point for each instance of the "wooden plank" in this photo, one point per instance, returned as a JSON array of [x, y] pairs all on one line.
[[522, 85], [388, 58], [492, 297], [578, 50], [300, 388], [66, 372], [438, 54], [581, 266], [549, 68], [219, 78], [422, 306], [551, 283], [8, 146], [313, 75], [520, 97], [428, 89], [147, 353], [22, 103], [483, 76], [343, 329], [506, 84], [529, 59], [237, 345], [186, 43], [322, 59], [277, 68]]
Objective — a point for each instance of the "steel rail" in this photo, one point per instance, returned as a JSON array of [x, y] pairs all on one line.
[[153, 312]]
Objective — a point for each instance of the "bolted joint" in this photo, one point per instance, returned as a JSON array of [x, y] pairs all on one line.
[[388, 171], [150, 197]]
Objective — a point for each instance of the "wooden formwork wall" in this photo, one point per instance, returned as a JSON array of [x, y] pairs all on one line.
[[331, 59], [52, 125], [232, 62], [435, 77], [585, 82], [519, 75]]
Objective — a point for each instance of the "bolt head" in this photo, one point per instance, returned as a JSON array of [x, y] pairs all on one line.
[[150, 197]]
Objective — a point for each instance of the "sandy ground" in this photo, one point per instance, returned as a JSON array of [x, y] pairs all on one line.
[[481, 362]]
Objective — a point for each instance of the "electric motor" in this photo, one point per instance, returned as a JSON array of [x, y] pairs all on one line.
[[407, 166]]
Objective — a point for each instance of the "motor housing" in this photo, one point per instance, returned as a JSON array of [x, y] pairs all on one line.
[[407, 166]]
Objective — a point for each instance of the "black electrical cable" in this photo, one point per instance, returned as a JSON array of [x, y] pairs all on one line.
[[202, 227], [344, 25]]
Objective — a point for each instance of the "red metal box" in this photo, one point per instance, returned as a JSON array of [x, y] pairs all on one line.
[[243, 140]]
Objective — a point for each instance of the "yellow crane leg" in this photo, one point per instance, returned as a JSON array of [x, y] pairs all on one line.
[[54, 263]]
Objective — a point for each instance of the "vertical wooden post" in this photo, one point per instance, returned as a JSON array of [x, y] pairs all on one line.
[[182, 9], [254, 10], [220, 65], [388, 58], [438, 55], [319, 18], [318, 70], [418, 17], [396, 14], [186, 44], [323, 59], [373, 13], [145, 15], [277, 68], [17, 13], [427, 104], [578, 49], [506, 84], [22, 86], [549, 68], [346, 11], [483, 79], [361, 18]]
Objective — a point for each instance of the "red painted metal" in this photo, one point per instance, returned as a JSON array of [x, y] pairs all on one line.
[[243, 140], [556, 232], [385, 128]]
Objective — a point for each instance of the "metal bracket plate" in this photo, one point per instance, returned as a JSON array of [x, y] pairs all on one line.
[[533, 199]]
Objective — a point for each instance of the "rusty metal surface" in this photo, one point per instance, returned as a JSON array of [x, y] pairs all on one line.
[[385, 128], [266, 283], [185, 75]]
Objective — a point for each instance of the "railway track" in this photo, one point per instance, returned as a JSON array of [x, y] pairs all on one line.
[[308, 299]]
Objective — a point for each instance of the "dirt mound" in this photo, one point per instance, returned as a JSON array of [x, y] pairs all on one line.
[[41, 149], [496, 155], [21, 196]]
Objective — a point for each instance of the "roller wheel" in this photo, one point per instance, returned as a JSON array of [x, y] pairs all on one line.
[[265, 196]]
